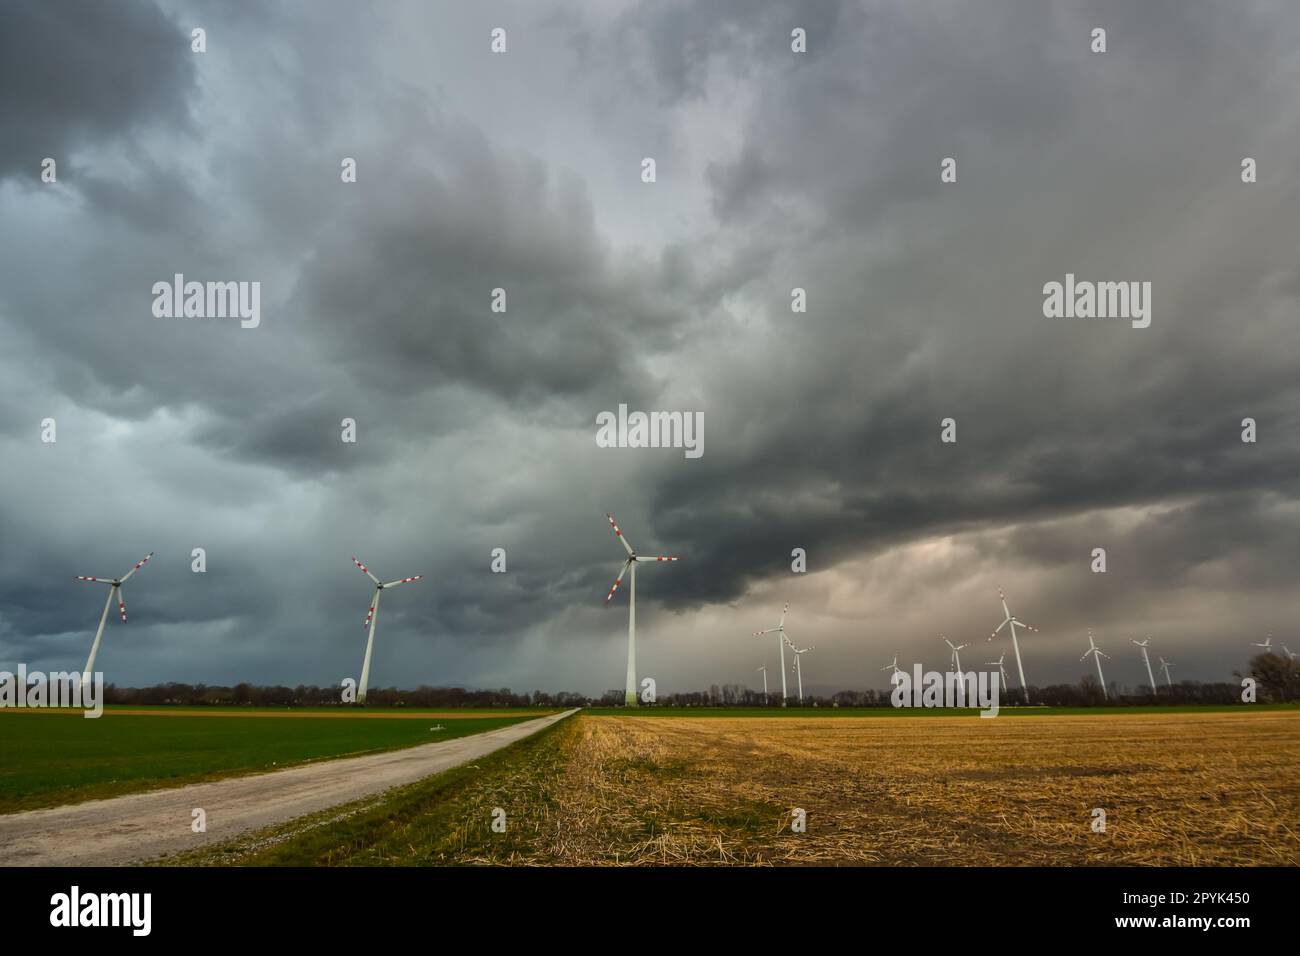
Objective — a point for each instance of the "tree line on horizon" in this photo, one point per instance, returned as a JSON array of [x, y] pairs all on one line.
[[1277, 679]]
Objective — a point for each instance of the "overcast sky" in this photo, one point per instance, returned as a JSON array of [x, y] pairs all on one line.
[[476, 430]]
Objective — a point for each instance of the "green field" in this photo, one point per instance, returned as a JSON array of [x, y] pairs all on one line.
[[51, 758]]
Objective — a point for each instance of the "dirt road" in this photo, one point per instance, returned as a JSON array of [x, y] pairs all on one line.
[[145, 826]]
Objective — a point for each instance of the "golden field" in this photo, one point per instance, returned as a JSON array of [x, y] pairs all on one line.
[[1177, 789]]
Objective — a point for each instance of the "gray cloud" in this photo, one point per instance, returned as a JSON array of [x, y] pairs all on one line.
[[83, 75], [822, 429]]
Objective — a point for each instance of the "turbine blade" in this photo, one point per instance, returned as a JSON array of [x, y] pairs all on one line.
[[784, 611], [618, 532], [369, 614], [121, 605], [768, 631], [139, 564], [618, 580], [641, 557], [98, 580], [364, 569], [404, 581]]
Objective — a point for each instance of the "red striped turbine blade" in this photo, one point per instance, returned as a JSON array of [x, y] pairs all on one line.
[[404, 581], [121, 606], [139, 564], [369, 615], [617, 581], [360, 565], [649, 557], [619, 532], [83, 578]]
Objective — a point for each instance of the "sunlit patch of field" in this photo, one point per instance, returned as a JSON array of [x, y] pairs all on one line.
[[1177, 789]]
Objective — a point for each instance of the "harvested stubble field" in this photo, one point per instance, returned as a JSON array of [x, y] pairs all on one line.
[[1178, 789]]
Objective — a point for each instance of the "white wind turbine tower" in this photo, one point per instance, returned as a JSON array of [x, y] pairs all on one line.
[[1147, 660], [114, 590], [764, 670], [1164, 666], [798, 667], [956, 649], [1097, 654], [1015, 644], [372, 618], [779, 630], [1001, 670], [633, 559]]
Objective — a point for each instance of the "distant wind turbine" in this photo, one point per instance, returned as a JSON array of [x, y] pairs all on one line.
[[114, 591], [372, 619], [633, 559], [956, 652], [798, 668], [1267, 645], [1097, 654], [779, 631], [1147, 660], [764, 670], [1015, 644], [1289, 652], [893, 667], [1164, 666], [1002, 670]]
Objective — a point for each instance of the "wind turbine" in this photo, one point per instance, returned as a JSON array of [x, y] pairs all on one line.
[[798, 668], [893, 667], [779, 630], [372, 618], [1147, 660], [633, 559], [1289, 652], [764, 670], [956, 648], [1002, 670], [114, 590], [1164, 666], [1267, 645], [1015, 644], [1097, 654]]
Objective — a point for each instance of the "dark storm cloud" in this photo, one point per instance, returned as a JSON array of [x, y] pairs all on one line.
[[77, 73], [822, 429], [403, 291]]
